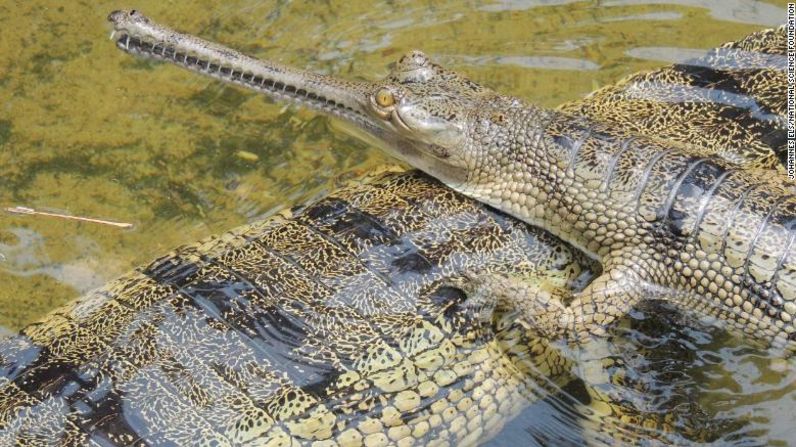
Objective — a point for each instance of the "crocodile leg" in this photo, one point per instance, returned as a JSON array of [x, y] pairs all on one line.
[[558, 312]]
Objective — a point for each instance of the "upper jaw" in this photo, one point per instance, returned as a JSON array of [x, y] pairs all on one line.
[[345, 99]]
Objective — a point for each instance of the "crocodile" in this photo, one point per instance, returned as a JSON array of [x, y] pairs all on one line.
[[321, 324], [664, 220], [331, 323]]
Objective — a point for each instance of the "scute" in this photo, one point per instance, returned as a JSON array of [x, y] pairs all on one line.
[[729, 102], [235, 334]]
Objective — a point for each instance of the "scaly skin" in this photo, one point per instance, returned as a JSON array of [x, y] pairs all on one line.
[[730, 102], [665, 220], [327, 325]]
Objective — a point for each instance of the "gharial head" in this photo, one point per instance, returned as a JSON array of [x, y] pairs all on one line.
[[421, 113], [432, 107], [431, 117]]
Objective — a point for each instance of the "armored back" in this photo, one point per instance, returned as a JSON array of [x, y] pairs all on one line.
[[319, 324]]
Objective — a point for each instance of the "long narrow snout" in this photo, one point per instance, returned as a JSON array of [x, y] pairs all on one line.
[[353, 102], [138, 35]]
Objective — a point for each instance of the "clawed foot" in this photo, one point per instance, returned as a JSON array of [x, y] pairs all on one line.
[[553, 311]]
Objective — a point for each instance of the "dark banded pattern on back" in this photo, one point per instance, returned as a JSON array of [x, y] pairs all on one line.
[[305, 327]]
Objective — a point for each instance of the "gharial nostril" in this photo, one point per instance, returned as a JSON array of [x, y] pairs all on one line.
[[115, 16]]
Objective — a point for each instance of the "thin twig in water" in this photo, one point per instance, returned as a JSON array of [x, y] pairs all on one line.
[[31, 211]]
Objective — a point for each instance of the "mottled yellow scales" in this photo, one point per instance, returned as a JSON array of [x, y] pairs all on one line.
[[387, 313]]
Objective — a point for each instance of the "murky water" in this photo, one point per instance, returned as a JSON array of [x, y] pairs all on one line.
[[86, 130]]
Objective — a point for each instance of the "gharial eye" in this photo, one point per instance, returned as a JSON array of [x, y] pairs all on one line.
[[385, 98]]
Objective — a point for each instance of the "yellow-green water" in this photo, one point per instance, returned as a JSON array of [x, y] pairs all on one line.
[[89, 131]]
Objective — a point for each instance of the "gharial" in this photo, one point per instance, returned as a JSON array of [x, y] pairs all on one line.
[[664, 220], [329, 324]]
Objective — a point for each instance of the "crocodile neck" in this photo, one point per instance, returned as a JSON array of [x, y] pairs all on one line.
[[527, 168]]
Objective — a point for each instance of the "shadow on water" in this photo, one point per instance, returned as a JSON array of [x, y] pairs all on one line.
[[91, 132]]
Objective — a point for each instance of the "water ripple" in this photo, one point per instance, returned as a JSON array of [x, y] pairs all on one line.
[[545, 62], [756, 13]]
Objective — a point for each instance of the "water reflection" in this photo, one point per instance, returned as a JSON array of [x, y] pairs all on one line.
[[741, 11], [543, 62], [28, 257], [514, 5]]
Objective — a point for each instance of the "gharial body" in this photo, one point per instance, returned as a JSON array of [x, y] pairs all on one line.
[[333, 324], [664, 220]]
